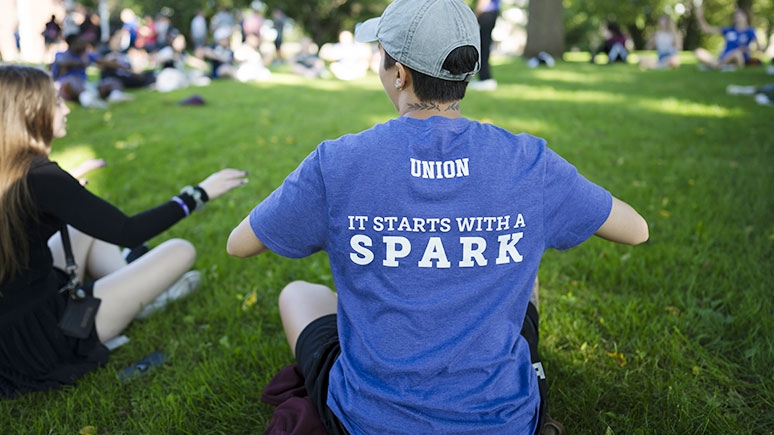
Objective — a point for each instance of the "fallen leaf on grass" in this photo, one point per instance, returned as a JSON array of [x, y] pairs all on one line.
[[620, 359], [249, 301], [88, 430]]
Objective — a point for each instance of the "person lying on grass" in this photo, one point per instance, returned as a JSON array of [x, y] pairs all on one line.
[[434, 225], [38, 200]]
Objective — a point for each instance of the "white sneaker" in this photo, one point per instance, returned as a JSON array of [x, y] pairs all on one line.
[[546, 59], [117, 96], [116, 342], [91, 99], [180, 289], [740, 90], [483, 85], [763, 100]]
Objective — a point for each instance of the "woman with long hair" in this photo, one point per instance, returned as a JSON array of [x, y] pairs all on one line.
[[667, 42], [38, 198]]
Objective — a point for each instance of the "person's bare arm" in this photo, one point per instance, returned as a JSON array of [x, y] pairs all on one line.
[[481, 5], [703, 25], [243, 243], [624, 225]]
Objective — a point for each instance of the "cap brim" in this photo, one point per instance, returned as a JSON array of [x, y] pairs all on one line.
[[366, 31]]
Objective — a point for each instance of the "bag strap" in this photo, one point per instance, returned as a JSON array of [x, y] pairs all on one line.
[[73, 286]]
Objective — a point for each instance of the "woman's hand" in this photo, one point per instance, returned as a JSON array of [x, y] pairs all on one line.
[[86, 167], [222, 181]]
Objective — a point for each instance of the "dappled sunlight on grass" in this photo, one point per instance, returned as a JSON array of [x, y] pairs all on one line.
[[371, 81], [673, 106], [548, 93], [670, 106], [561, 75], [73, 155]]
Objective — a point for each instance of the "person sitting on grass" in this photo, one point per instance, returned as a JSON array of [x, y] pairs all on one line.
[[220, 55], [615, 45], [740, 41], [38, 200], [667, 42], [69, 71], [434, 225]]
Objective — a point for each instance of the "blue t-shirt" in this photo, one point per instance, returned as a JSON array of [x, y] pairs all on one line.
[[68, 56], [434, 229], [737, 39], [493, 6]]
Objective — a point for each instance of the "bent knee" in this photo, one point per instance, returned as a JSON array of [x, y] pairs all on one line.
[[302, 292], [292, 292], [181, 249]]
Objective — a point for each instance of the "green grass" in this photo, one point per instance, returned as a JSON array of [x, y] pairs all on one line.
[[672, 337]]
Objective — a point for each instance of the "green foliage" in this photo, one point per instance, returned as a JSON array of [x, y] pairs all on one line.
[[638, 17], [324, 19], [670, 337]]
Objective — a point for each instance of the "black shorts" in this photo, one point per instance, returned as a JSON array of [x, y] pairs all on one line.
[[318, 348]]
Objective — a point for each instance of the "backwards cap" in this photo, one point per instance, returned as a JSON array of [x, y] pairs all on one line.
[[420, 34]]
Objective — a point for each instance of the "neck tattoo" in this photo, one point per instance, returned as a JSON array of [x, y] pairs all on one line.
[[454, 106]]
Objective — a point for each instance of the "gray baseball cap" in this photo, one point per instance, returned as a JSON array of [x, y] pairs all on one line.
[[420, 34]]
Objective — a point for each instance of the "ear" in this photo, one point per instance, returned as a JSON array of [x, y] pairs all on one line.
[[402, 74]]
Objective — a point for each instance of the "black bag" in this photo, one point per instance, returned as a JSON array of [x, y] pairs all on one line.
[[78, 318]]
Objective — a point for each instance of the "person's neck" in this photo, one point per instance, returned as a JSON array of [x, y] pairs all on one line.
[[425, 109]]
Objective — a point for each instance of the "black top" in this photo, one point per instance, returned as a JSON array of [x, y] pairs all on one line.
[[34, 354]]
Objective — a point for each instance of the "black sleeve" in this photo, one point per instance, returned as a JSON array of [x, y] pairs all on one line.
[[57, 193]]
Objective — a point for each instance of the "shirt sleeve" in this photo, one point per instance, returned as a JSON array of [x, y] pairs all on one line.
[[293, 220], [575, 208], [57, 193]]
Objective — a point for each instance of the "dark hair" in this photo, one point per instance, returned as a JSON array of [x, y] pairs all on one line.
[[461, 60], [614, 28]]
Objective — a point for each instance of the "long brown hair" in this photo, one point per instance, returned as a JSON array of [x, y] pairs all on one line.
[[27, 103]]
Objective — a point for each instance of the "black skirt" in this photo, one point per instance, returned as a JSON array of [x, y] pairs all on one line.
[[34, 353]]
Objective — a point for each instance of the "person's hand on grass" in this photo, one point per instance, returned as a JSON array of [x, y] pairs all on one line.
[[222, 181], [84, 168]]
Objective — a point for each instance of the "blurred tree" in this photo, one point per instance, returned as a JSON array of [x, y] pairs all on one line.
[[545, 29], [638, 17], [322, 20]]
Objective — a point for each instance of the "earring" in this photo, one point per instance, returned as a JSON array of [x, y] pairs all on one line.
[[397, 84]]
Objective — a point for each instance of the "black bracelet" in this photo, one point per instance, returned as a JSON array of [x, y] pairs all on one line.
[[205, 197], [197, 193]]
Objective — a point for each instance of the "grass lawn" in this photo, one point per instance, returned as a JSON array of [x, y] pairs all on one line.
[[672, 337]]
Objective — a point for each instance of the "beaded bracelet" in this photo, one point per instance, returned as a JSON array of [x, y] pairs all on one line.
[[182, 205]]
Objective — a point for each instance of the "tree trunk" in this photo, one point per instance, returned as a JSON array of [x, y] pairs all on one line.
[[545, 28], [32, 21], [8, 24]]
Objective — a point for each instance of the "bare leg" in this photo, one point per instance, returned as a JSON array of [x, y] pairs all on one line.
[[534, 297], [706, 58], [735, 58], [300, 303], [648, 63], [95, 257], [125, 291]]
